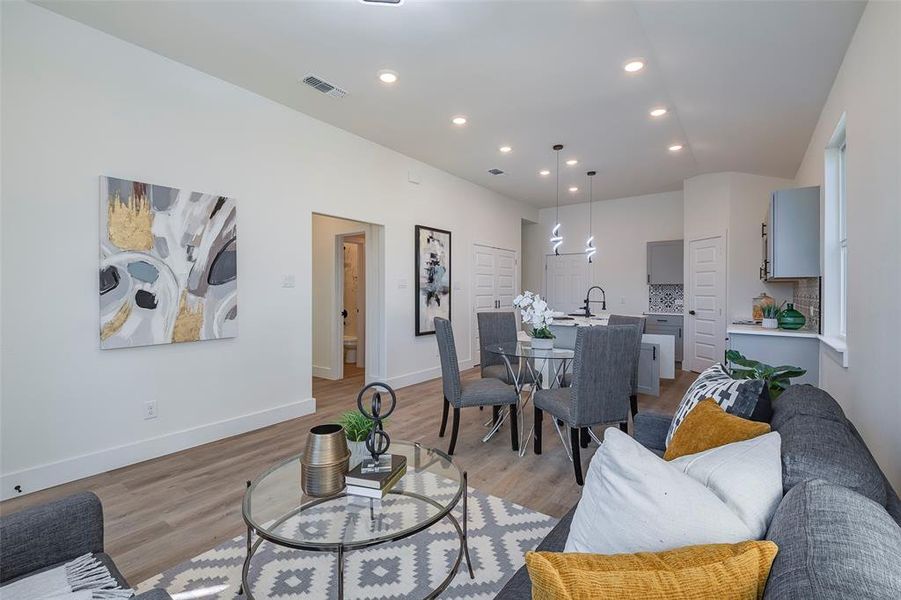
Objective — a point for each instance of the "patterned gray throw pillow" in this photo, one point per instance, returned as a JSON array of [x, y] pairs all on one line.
[[746, 398]]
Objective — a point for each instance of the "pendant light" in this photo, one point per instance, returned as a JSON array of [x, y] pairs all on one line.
[[556, 238], [590, 250]]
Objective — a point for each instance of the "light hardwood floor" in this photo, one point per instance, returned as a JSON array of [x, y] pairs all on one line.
[[164, 511]]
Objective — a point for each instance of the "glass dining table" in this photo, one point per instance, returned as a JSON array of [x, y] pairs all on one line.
[[536, 367]]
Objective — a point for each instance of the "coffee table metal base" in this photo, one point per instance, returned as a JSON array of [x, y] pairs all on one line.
[[340, 550]]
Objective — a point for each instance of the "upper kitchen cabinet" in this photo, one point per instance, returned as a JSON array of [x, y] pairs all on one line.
[[791, 235], [665, 262]]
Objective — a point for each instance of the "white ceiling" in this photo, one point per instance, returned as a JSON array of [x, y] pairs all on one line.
[[744, 81]]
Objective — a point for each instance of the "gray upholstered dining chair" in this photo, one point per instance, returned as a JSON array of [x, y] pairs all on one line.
[[459, 394], [498, 328], [599, 394], [640, 323]]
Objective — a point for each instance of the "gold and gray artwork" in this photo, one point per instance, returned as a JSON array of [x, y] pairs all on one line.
[[168, 265]]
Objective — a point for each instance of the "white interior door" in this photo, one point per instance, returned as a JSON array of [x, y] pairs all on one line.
[[706, 302], [566, 281], [505, 278], [493, 285], [483, 290]]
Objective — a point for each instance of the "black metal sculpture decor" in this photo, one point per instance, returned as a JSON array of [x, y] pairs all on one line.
[[378, 441]]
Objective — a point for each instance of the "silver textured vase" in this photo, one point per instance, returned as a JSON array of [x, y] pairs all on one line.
[[324, 461]]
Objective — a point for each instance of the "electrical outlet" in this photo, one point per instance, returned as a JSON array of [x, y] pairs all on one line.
[[150, 410]]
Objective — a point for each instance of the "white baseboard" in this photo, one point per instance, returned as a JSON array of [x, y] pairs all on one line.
[[48, 475], [401, 381], [323, 372]]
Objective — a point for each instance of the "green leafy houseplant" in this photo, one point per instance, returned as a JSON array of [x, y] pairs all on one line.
[[777, 378], [771, 311], [356, 426]]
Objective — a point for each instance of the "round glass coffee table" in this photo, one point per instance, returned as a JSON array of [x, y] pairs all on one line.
[[276, 510]]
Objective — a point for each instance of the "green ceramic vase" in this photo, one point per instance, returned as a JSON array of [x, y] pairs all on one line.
[[791, 318]]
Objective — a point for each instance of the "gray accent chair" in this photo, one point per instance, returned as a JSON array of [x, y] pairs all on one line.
[[838, 527], [640, 323], [43, 537], [601, 383], [498, 328], [481, 392]]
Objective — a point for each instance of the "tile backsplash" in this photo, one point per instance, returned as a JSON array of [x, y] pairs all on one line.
[[806, 298], [668, 298]]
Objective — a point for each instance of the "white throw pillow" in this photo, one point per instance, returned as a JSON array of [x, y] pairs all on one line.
[[634, 501], [746, 475]]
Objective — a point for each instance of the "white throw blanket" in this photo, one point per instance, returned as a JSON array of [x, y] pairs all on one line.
[[85, 578]]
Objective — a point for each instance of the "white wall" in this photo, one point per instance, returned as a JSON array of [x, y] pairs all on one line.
[[622, 229], [77, 104], [868, 89], [534, 245], [734, 205]]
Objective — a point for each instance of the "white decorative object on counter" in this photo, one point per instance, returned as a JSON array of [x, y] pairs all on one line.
[[538, 315], [771, 323], [542, 343]]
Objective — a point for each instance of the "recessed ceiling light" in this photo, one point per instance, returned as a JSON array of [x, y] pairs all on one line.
[[387, 76], [658, 112], [675, 147], [544, 172], [633, 66], [505, 149], [574, 189], [460, 120], [572, 162]]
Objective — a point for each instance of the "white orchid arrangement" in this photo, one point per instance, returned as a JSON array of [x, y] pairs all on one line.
[[535, 313]]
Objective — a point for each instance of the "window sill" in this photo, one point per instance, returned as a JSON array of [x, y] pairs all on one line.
[[837, 347]]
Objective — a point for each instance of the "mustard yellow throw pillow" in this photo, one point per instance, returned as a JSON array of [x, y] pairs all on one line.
[[709, 426], [721, 571]]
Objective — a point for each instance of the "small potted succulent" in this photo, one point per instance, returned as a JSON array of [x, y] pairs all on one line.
[[771, 316], [357, 428], [538, 316]]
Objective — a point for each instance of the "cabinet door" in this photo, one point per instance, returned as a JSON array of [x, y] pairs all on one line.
[[665, 265], [649, 370], [794, 233]]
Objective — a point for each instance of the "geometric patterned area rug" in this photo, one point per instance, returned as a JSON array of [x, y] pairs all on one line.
[[500, 533]]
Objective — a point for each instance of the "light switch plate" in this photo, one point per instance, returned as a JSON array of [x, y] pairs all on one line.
[[402, 284], [288, 281]]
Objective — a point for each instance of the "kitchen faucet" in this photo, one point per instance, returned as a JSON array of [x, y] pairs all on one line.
[[589, 301]]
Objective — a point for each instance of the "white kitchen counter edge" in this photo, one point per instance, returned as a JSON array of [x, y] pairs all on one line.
[[836, 347], [758, 330]]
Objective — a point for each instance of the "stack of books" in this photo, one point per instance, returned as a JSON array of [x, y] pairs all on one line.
[[375, 485]]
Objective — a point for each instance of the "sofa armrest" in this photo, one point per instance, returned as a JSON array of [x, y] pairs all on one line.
[[42, 536], [650, 429]]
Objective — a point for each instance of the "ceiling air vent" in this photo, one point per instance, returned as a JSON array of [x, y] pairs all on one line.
[[495, 171], [323, 86]]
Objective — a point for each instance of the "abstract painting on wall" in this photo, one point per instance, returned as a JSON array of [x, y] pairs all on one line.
[[168, 265], [433, 277]]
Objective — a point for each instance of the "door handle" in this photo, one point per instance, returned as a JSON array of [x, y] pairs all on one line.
[[691, 312], [653, 352], [344, 313]]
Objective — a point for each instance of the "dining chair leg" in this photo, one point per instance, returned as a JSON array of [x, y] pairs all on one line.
[[495, 414], [624, 427], [455, 428], [514, 428], [538, 417], [583, 437], [444, 418], [633, 404], [574, 435]]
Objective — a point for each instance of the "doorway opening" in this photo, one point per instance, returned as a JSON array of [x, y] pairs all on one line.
[[347, 300]]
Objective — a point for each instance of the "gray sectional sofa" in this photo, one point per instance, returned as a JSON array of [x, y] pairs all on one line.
[[43, 537], [838, 527]]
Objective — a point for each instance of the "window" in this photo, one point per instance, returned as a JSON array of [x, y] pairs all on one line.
[[842, 241], [835, 238]]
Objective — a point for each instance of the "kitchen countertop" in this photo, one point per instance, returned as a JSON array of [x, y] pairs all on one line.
[[665, 314], [759, 330]]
